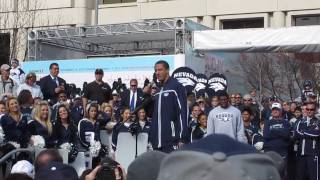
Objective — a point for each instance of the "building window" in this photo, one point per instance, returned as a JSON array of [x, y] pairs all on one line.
[[307, 20], [243, 23], [117, 1]]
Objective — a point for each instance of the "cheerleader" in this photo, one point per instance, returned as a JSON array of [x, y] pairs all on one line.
[[41, 125], [143, 121], [89, 134], [65, 132], [14, 125], [122, 126], [108, 109], [89, 128]]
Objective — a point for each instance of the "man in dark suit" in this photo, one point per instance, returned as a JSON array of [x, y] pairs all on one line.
[[132, 97], [52, 85]]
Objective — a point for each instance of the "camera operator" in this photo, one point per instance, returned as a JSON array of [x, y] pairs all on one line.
[[107, 170]]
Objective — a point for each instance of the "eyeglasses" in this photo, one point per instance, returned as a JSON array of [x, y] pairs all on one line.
[[133, 85], [247, 100], [310, 109], [238, 97]]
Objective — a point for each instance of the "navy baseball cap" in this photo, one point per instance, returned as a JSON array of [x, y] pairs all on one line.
[[219, 143], [98, 71], [218, 157], [56, 171]]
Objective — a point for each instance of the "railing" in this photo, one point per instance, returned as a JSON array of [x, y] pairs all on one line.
[[13, 153]]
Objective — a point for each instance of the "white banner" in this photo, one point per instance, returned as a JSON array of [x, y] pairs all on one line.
[[291, 39]]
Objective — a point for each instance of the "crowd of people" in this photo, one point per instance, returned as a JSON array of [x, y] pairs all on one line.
[[44, 114]]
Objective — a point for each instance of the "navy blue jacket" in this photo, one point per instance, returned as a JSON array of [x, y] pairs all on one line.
[[26, 111], [170, 115], [146, 128], [103, 119], [36, 128], [257, 137], [86, 127], [198, 133], [118, 128], [276, 136], [308, 133], [16, 132], [249, 131], [65, 135], [76, 113]]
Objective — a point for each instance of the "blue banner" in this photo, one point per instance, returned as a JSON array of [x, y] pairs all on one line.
[[112, 64]]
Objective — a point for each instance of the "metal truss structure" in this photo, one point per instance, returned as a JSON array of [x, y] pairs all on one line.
[[149, 36]]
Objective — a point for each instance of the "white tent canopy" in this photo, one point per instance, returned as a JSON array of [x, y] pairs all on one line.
[[291, 39]]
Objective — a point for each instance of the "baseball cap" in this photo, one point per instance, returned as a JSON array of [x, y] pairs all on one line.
[[98, 71], [191, 165], [218, 157], [273, 98], [276, 106], [14, 61], [311, 94], [23, 167], [5, 67], [247, 97], [56, 170], [146, 166]]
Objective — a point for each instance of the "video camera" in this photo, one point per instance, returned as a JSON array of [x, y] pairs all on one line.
[[119, 86], [107, 171]]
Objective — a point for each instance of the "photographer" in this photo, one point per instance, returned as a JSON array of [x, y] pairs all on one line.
[[107, 170]]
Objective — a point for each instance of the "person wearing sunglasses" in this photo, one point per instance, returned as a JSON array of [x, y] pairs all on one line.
[[308, 133], [276, 133], [132, 97]]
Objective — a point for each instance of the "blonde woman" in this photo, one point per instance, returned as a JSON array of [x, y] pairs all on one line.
[[41, 123], [14, 125], [108, 109]]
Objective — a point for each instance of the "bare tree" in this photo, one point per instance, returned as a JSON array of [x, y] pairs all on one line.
[[19, 17], [281, 74]]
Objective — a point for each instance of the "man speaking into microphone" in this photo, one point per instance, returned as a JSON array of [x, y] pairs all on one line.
[[169, 120]]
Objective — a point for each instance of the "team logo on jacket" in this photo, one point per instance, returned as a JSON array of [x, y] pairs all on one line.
[[166, 94]]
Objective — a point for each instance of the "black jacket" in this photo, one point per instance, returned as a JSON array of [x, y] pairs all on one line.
[[47, 85], [125, 98]]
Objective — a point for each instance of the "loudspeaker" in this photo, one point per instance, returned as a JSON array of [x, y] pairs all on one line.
[[4, 48]]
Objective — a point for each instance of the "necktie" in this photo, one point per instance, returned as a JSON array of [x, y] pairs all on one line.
[[132, 102], [56, 81]]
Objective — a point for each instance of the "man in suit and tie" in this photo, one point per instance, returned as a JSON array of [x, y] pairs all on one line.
[[132, 97], [51, 85]]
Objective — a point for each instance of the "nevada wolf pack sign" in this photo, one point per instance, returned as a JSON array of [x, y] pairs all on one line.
[[217, 82], [202, 85], [187, 77]]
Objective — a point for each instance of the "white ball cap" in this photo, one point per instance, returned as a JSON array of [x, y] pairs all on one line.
[[276, 106]]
